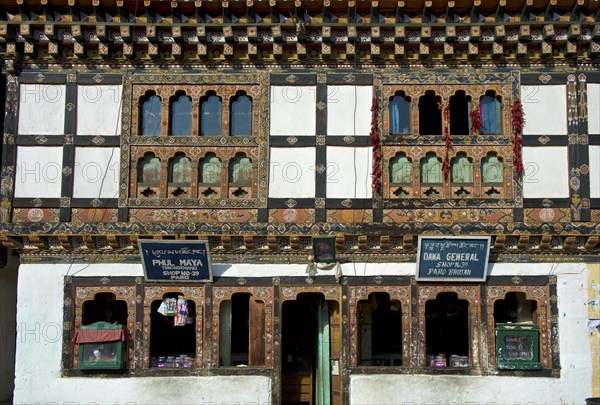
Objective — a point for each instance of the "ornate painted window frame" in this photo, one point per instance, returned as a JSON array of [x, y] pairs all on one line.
[[256, 146]]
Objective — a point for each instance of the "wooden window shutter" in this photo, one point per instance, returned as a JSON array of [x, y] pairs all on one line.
[[257, 333]]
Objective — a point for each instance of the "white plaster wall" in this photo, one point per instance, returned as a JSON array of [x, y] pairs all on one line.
[[349, 110], [546, 173], [8, 326], [96, 173], [292, 172], [293, 110], [39, 171], [99, 110], [593, 95], [42, 109], [545, 109], [573, 386], [594, 156], [349, 172], [39, 346]]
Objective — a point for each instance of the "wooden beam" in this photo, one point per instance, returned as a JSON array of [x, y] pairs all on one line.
[[450, 16], [48, 10], [200, 13], [250, 11], [476, 12], [374, 18], [500, 13], [426, 14], [274, 11], [299, 11], [526, 11], [351, 11], [74, 10], [326, 11], [577, 12], [100, 12], [226, 12], [23, 10], [401, 13], [149, 11], [549, 13]]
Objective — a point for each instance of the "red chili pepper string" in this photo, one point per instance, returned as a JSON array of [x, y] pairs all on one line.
[[476, 119], [517, 127], [448, 141], [377, 155]]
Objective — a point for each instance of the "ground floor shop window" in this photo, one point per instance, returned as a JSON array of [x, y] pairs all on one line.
[[380, 331], [503, 324], [447, 331], [104, 308], [172, 332], [241, 331]]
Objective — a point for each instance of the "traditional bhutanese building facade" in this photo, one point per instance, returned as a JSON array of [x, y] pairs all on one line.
[[262, 126]]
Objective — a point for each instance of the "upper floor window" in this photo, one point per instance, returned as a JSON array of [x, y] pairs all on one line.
[[491, 113], [210, 170], [431, 169], [492, 171], [400, 170], [430, 114], [240, 171], [460, 107], [241, 115], [399, 114], [210, 115], [181, 115], [151, 115], [462, 169]]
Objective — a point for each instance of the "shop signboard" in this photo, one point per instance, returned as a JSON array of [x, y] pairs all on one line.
[[453, 258], [176, 260]]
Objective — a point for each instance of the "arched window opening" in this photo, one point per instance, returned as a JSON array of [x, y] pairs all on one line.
[[181, 115], [399, 114], [400, 170], [241, 331], [180, 170], [460, 119], [150, 114], [515, 308], [210, 170], [241, 115], [148, 176], [462, 169], [104, 308], [211, 110], [172, 331], [430, 114], [380, 323], [447, 331], [209, 175], [431, 170], [492, 170], [240, 170], [180, 175], [491, 113]]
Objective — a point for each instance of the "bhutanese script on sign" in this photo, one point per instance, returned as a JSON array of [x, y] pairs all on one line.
[[452, 258], [172, 260]]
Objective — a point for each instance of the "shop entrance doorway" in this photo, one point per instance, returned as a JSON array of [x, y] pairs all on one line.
[[310, 351]]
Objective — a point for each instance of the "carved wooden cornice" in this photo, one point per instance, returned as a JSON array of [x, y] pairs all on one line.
[[274, 31], [351, 246]]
